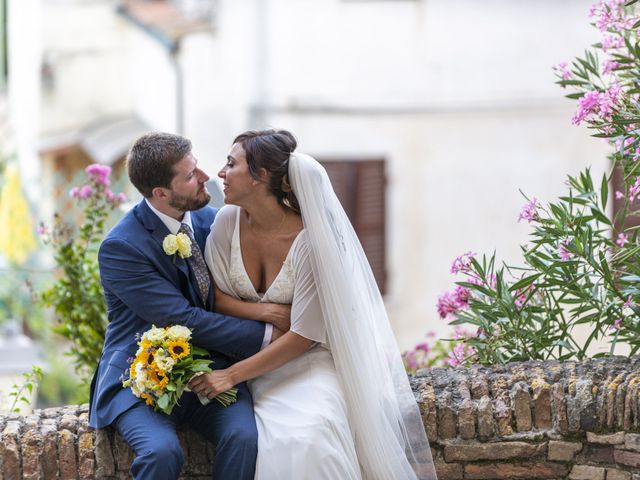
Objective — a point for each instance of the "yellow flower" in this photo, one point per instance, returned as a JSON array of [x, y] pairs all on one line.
[[159, 378], [145, 357], [132, 369], [170, 244], [178, 348], [179, 243], [184, 245], [147, 398]]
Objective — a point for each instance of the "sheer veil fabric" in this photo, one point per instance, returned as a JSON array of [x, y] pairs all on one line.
[[389, 434]]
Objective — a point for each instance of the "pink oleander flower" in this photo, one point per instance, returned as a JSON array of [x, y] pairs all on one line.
[[462, 295], [74, 192], [460, 333], [612, 41], [529, 211], [617, 324], [634, 190], [622, 239], [587, 104], [563, 71], [491, 281], [99, 174], [619, 195], [85, 192], [461, 355], [431, 334], [563, 253], [597, 103], [447, 304], [462, 263], [424, 346], [609, 66]]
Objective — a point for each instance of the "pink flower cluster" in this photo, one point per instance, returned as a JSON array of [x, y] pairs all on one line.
[[462, 263], [634, 190], [611, 16], [562, 69], [622, 239], [612, 41], [608, 66], [617, 324], [461, 355], [563, 252], [417, 358], [450, 303], [529, 211], [601, 104], [99, 183]]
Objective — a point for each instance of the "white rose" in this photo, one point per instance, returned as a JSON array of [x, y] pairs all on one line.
[[178, 332]]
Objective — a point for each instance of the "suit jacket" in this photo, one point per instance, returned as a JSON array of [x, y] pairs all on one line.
[[143, 286]]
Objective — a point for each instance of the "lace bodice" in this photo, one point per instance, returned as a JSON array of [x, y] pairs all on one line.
[[282, 287]]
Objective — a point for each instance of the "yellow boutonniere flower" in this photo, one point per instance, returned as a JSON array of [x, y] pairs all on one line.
[[180, 244]]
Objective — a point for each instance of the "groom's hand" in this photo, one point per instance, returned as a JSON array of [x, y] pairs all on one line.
[[278, 315]]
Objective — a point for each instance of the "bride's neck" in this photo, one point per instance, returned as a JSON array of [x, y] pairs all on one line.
[[267, 215]]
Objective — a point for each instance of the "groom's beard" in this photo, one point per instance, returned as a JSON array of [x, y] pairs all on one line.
[[184, 203]]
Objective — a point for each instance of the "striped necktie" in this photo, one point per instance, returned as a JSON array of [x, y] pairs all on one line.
[[198, 265]]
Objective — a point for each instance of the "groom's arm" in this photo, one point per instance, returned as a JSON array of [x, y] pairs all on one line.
[[128, 274]]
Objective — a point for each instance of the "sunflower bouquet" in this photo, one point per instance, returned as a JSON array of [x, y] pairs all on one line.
[[163, 366]]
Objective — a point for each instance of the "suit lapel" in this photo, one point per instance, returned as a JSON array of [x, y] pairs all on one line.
[[158, 232]]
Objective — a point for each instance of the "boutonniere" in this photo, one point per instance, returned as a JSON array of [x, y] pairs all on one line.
[[180, 244]]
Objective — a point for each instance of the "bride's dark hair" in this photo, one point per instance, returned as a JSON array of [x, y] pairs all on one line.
[[270, 149]]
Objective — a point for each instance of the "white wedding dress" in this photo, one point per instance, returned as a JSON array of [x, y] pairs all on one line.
[[300, 409]]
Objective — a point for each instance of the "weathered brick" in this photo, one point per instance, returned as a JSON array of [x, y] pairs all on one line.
[[86, 461], [542, 404], [428, 410], [521, 401], [502, 414], [485, 417], [31, 450], [598, 453], [479, 386], [492, 451], [586, 472], [446, 417], [624, 457], [560, 408], [466, 420], [67, 462], [606, 439], [10, 450], [105, 463], [448, 471], [509, 471], [632, 442], [615, 474], [49, 456], [563, 451]]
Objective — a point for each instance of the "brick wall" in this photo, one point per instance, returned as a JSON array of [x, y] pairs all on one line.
[[542, 420]]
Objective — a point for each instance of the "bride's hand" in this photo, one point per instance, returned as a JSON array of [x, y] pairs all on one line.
[[277, 314], [212, 384]]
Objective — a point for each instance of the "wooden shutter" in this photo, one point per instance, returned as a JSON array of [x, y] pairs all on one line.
[[360, 187]]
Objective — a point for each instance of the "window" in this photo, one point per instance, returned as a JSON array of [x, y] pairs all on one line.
[[360, 187]]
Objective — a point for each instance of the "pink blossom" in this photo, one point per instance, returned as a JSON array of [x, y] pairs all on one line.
[[462, 295], [491, 281], [617, 324], [563, 71], [521, 296], [622, 239], [587, 104], [460, 333], [619, 195], [609, 66], [74, 192], [529, 211], [447, 304], [424, 346], [599, 103], [563, 253], [431, 334], [85, 192], [99, 174], [612, 41], [634, 190], [42, 229], [460, 355], [462, 263]]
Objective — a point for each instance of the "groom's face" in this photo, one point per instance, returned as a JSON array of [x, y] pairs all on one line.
[[188, 190]]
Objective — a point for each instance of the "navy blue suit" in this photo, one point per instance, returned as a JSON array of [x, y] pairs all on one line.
[[143, 286]]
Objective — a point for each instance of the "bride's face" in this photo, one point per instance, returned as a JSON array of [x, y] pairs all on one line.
[[238, 184]]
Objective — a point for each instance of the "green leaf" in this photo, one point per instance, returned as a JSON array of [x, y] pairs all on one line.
[[163, 401], [604, 191]]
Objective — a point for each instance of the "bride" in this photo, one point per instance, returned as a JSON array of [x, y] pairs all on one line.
[[331, 397]]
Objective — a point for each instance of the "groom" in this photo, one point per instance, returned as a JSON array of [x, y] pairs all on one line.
[[143, 286]]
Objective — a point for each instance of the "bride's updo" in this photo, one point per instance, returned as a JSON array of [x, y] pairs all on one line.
[[270, 149]]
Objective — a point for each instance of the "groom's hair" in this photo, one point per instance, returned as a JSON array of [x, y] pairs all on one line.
[[151, 160], [270, 149]]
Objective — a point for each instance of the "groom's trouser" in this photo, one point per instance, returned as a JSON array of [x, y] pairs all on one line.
[[152, 436]]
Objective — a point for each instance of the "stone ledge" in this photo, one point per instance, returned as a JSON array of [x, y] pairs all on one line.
[[524, 420]]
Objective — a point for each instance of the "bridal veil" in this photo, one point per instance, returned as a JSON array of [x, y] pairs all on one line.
[[389, 434]]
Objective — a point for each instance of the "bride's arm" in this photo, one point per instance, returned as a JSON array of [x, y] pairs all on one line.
[[277, 314], [285, 349]]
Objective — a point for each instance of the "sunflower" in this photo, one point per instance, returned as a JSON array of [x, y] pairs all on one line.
[[159, 378], [132, 369], [178, 348], [146, 356], [147, 398]]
